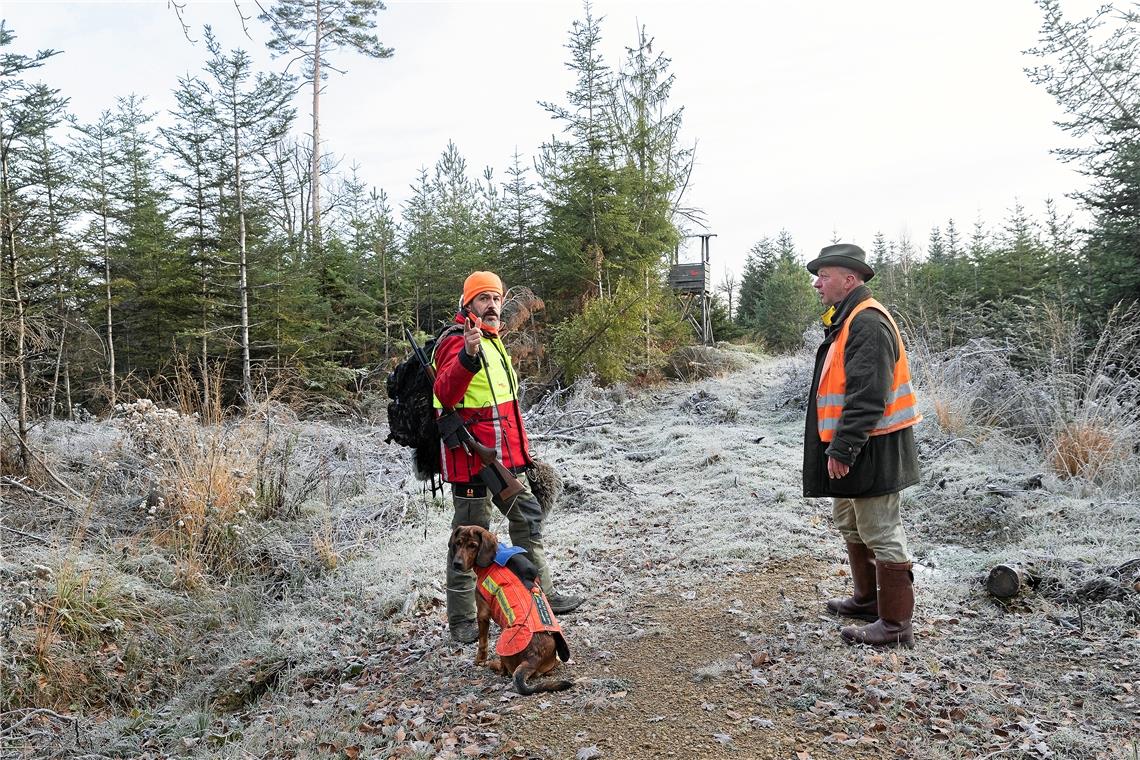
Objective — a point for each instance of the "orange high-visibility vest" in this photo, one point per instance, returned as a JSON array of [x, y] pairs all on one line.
[[900, 411], [519, 611]]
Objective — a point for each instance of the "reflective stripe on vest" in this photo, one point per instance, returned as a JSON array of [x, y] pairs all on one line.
[[900, 411], [519, 612]]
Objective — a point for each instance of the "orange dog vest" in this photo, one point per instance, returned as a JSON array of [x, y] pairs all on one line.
[[519, 612]]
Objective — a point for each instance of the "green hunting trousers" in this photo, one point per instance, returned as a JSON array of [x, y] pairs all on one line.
[[524, 520], [874, 522]]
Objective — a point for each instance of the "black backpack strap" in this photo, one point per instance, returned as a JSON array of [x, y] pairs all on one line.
[[449, 330]]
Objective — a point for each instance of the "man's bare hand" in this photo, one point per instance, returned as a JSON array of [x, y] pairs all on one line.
[[472, 337], [836, 469]]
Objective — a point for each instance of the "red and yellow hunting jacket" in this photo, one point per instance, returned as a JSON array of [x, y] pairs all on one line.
[[484, 392]]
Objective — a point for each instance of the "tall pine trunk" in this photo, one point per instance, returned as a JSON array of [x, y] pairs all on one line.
[[21, 314], [316, 168], [63, 311], [384, 280], [104, 211], [243, 274]]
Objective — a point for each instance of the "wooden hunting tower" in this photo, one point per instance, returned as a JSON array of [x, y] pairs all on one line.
[[691, 282]]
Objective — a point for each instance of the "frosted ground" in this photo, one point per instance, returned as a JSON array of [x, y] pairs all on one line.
[[681, 519]]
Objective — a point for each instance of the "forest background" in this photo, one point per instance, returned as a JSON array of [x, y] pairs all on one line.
[[225, 241], [202, 523]]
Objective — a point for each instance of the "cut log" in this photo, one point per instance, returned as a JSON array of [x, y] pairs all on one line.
[[1005, 581]]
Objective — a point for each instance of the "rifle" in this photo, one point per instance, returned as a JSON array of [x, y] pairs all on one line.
[[498, 479]]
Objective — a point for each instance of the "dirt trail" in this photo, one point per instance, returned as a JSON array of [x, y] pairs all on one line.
[[704, 634], [696, 684]]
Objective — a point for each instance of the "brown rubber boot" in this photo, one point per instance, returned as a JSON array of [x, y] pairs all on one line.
[[896, 606], [863, 604]]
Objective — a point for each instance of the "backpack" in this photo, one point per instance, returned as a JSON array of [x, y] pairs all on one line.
[[411, 414]]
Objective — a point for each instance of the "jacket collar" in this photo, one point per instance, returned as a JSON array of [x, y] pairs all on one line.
[[844, 307], [488, 332], [855, 297]]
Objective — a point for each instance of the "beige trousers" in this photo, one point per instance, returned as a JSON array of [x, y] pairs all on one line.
[[875, 522]]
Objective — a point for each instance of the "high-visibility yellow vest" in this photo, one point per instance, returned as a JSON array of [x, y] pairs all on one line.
[[900, 411], [497, 382]]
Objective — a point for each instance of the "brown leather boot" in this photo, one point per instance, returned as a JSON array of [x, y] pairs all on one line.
[[896, 606], [863, 604]]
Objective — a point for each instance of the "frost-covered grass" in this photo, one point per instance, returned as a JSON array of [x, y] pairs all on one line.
[[667, 490]]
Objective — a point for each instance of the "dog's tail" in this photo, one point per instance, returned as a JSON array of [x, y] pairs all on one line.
[[524, 671]]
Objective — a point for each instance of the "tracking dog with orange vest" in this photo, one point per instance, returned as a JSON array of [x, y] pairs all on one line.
[[531, 641]]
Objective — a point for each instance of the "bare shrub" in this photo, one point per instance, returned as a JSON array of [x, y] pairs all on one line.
[[1077, 406], [565, 413], [205, 477]]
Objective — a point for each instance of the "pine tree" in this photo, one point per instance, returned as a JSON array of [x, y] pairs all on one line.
[[45, 179], [880, 253], [14, 122], [157, 294], [758, 267], [521, 227], [586, 213], [383, 261], [653, 161], [785, 246], [1093, 71], [93, 155], [459, 240], [935, 247], [254, 115], [308, 31], [196, 148], [787, 305], [419, 232], [953, 243]]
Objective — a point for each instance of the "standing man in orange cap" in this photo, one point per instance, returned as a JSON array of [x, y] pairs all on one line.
[[474, 375], [859, 445]]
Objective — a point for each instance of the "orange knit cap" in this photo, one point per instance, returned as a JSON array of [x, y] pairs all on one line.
[[480, 282]]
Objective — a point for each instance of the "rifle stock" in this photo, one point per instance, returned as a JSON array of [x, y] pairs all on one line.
[[494, 474]]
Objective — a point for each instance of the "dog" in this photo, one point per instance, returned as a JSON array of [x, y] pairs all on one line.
[[531, 641]]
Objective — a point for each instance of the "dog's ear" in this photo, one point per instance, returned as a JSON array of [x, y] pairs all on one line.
[[488, 545], [452, 541]]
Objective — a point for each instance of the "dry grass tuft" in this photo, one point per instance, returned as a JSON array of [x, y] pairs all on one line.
[[950, 418], [65, 632], [1083, 450], [204, 485], [324, 547]]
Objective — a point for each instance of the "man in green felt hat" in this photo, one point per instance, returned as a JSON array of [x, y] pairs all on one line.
[[859, 444]]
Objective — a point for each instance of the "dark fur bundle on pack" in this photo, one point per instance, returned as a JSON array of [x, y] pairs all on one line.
[[411, 416], [545, 484]]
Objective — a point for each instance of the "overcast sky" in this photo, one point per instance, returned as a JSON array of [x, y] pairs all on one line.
[[824, 118]]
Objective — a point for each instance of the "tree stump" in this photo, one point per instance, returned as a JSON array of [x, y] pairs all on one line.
[[1005, 581]]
